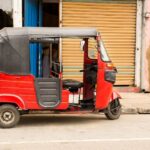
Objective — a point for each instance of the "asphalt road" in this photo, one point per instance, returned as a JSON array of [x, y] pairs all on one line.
[[82, 132]]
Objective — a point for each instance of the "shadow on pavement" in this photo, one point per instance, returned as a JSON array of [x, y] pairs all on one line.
[[58, 120]]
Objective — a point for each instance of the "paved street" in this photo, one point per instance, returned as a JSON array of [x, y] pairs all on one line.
[[90, 132]]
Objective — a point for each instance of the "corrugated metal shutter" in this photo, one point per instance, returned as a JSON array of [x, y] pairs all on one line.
[[116, 20]]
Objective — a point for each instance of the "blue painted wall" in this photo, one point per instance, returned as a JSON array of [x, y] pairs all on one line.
[[33, 18]]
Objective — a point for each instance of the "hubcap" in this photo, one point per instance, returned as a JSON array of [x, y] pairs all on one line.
[[7, 117]]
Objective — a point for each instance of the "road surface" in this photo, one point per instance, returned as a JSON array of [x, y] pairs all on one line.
[[78, 132]]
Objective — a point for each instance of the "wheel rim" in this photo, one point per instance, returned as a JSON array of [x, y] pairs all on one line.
[[7, 117], [115, 107]]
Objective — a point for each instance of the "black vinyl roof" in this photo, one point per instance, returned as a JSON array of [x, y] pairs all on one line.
[[14, 44]]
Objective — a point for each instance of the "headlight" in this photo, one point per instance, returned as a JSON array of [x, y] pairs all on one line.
[[110, 76]]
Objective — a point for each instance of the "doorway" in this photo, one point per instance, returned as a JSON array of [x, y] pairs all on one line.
[[50, 14], [50, 18], [43, 13]]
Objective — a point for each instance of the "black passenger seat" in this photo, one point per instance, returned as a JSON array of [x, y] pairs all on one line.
[[72, 85]]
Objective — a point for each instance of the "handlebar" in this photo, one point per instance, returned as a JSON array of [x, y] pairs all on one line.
[[92, 67]]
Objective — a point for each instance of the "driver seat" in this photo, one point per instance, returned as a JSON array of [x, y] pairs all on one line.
[[72, 85]]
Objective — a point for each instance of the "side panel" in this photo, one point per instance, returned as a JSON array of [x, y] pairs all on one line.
[[48, 91], [65, 101], [20, 86], [50, 95], [104, 88], [13, 99]]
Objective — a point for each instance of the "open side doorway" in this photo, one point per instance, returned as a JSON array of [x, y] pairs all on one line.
[[44, 56], [50, 14], [50, 18], [48, 84]]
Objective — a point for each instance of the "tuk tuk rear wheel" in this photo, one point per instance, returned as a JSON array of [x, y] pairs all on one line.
[[113, 110], [9, 116]]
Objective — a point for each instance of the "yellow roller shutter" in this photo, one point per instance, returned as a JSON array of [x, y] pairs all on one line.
[[116, 21]]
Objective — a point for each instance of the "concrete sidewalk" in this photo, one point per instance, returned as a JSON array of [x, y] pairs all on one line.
[[135, 103]]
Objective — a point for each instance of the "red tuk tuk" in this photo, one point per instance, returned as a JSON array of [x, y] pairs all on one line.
[[22, 92]]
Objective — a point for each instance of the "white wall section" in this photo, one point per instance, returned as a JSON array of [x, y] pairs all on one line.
[[138, 44], [6, 5], [17, 13]]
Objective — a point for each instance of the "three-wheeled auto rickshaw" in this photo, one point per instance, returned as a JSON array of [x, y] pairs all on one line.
[[21, 91]]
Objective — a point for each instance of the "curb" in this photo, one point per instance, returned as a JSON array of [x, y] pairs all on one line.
[[135, 110], [127, 89]]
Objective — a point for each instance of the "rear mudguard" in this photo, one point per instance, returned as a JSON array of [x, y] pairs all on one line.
[[12, 99], [115, 95]]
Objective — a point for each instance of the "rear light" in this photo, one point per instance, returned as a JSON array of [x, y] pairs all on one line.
[[110, 65]]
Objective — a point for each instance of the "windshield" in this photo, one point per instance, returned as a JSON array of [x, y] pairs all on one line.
[[103, 51], [92, 50]]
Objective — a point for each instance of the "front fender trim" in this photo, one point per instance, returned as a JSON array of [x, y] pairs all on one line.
[[115, 95], [14, 99]]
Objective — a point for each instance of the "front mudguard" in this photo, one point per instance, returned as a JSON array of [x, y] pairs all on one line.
[[104, 104], [115, 95]]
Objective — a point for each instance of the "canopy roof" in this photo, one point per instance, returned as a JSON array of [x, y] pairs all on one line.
[[14, 44], [33, 32]]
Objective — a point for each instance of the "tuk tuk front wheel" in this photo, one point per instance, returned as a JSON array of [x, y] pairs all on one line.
[[113, 110], [9, 116]]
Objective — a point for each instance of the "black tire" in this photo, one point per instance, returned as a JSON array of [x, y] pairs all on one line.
[[113, 110], [9, 116]]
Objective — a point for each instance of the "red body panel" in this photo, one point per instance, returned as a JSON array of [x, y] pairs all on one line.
[[13, 99], [104, 88], [21, 91], [65, 101], [19, 86]]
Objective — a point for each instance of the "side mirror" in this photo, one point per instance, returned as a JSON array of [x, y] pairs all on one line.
[[82, 43]]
